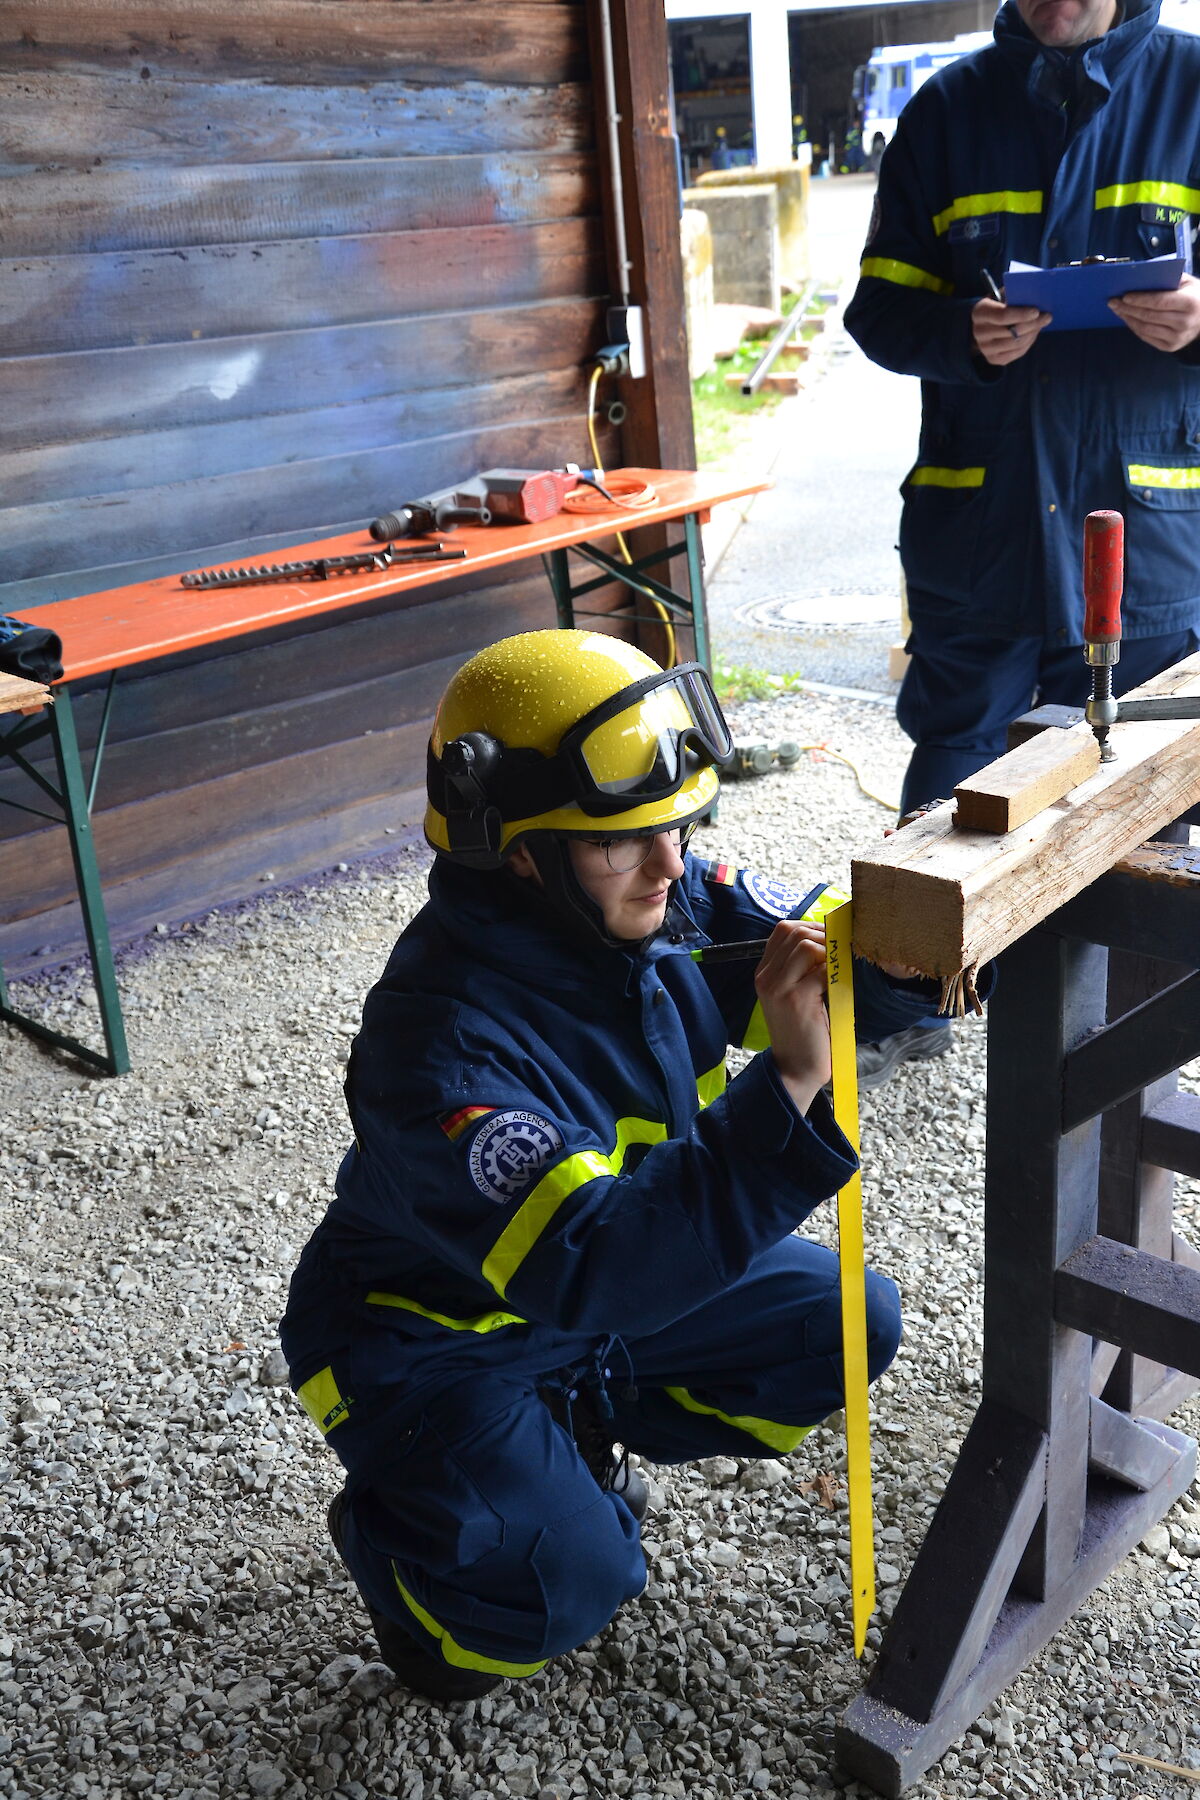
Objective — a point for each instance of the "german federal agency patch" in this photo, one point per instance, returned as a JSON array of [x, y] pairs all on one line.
[[509, 1151], [778, 898]]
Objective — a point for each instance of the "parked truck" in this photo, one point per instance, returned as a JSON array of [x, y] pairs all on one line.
[[887, 81], [890, 77]]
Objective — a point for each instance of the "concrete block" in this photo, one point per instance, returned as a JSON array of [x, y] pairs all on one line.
[[699, 307], [743, 220], [790, 181]]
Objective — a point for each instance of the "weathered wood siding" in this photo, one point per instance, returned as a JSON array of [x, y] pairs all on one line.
[[268, 269]]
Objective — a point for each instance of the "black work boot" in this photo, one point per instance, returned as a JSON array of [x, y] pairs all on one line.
[[424, 1674], [581, 1415]]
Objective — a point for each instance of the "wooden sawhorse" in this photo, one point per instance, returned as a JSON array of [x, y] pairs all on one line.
[[1091, 1310]]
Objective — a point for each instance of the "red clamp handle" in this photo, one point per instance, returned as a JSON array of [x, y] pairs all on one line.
[[1103, 576]]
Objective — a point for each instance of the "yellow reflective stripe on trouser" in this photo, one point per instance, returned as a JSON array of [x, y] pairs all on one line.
[[975, 206], [1144, 475], [1149, 193], [492, 1321], [454, 1652], [885, 268], [756, 1036], [781, 1438], [927, 475], [322, 1401]]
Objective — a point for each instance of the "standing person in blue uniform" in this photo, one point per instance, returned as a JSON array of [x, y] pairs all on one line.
[[559, 1228], [1072, 135]]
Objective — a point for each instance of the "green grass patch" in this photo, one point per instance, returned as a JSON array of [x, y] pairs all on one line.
[[722, 415], [739, 681]]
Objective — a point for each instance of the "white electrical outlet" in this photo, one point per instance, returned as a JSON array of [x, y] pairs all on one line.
[[626, 325]]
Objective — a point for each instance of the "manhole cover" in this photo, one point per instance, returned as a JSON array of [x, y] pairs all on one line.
[[834, 609]]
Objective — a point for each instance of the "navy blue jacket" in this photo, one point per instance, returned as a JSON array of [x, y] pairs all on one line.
[[545, 1144], [1047, 157]]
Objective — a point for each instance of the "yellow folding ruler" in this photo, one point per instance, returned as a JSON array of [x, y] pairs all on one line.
[[838, 927]]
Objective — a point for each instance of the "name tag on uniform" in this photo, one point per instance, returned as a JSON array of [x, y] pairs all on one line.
[[965, 231]]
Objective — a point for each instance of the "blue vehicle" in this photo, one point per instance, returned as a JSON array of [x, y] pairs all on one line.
[[885, 84]]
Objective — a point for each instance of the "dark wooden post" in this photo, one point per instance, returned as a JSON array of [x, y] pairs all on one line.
[[657, 431]]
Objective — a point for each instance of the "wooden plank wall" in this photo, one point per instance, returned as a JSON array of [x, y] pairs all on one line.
[[267, 269]]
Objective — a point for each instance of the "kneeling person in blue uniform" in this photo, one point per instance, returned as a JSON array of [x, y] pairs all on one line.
[[559, 1228]]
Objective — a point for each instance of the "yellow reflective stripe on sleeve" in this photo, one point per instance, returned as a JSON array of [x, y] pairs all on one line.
[[453, 1652], [826, 900], [1149, 193], [322, 1401], [926, 475], [756, 1036], [975, 206], [1144, 475], [564, 1179], [711, 1086], [886, 268], [777, 1437], [526, 1227], [492, 1321]]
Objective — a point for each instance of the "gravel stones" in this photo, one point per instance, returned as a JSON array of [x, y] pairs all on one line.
[[177, 1622]]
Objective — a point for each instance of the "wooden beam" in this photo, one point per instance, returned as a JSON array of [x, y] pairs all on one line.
[[943, 901], [1011, 791], [1133, 1299]]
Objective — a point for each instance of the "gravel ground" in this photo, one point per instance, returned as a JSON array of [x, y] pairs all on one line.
[[177, 1621]]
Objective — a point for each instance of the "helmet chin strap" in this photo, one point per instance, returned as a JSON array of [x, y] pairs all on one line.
[[573, 908]]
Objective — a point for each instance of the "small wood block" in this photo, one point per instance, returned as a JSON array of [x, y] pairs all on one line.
[[1027, 780], [780, 381], [21, 696]]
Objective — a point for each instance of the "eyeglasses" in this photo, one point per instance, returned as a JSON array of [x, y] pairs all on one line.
[[625, 854]]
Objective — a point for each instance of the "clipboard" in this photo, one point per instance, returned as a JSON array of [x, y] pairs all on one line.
[[1078, 295]]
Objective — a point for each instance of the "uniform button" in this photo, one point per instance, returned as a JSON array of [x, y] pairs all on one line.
[[1146, 495], [659, 997], [1052, 507], [1054, 243]]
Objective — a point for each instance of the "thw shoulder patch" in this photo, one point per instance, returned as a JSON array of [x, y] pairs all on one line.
[[779, 899], [509, 1151]]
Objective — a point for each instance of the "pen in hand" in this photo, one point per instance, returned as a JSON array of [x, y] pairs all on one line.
[[994, 287], [747, 949]]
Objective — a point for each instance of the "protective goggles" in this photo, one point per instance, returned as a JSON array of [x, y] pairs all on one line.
[[642, 744]]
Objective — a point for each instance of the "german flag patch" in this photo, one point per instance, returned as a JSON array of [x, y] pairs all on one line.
[[455, 1123], [721, 874]]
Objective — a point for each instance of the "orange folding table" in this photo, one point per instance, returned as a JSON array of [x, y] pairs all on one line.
[[120, 628]]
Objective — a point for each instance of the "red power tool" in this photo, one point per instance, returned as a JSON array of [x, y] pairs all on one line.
[[1103, 583]]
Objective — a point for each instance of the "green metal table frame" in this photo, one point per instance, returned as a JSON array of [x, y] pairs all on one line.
[[634, 575], [74, 799]]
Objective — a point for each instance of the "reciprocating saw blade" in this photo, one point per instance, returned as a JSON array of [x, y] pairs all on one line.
[[321, 568]]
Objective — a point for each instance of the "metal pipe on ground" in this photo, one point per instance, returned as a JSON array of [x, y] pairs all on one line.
[[766, 361]]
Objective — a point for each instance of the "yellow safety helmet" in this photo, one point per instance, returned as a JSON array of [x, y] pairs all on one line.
[[569, 732]]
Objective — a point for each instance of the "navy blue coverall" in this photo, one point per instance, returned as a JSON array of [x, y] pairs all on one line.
[[553, 1186], [1043, 156]]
